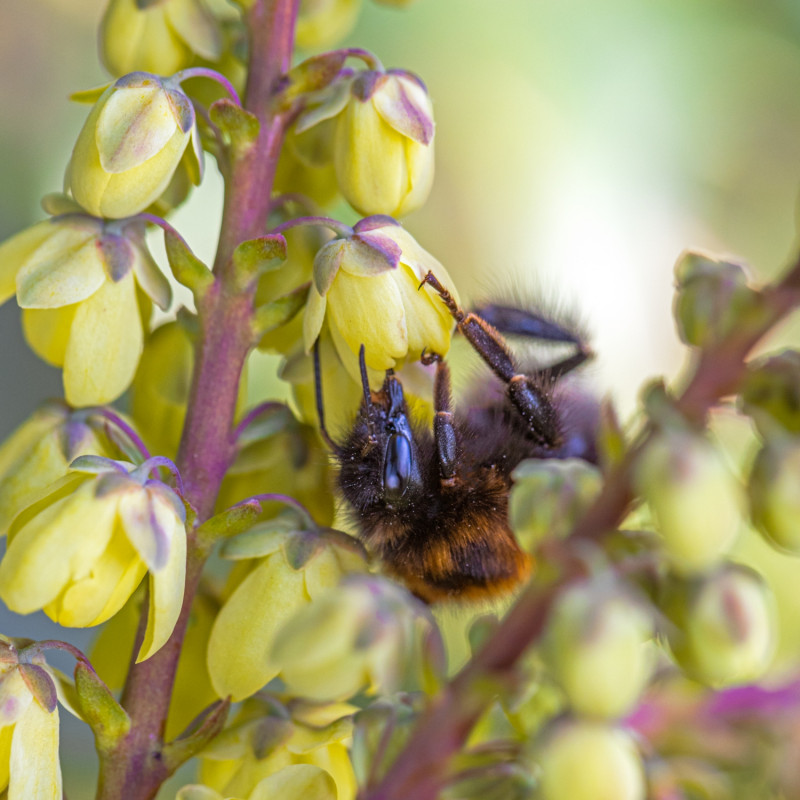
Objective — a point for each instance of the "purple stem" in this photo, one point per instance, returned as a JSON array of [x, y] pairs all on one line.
[[275, 497], [55, 644], [123, 426], [263, 408], [156, 462], [337, 227], [205, 72]]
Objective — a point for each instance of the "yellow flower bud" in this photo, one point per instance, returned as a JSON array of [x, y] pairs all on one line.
[[583, 760], [367, 287], [596, 645], [306, 164], [29, 723], [364, 634], [321, 23], [79, 552], [77, 280], [266, 737], [724, 630], [694, 498], [290, 567], [130, 146], [40, 451], [383, 152], [160, 36]]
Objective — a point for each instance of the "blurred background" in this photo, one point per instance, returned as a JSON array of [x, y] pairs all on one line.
[[581, 146]]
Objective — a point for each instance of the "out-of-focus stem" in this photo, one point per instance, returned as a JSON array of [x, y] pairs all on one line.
[[136, 769], [422, 768]]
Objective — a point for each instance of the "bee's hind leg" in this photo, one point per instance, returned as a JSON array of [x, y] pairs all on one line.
[[528, 393]]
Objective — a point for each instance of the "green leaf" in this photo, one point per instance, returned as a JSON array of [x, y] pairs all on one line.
[[197, 736], [257, 256], [311, 75], [187, 268], [239, 126]]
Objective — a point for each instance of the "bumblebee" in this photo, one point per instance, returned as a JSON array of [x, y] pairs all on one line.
[[433, 504]]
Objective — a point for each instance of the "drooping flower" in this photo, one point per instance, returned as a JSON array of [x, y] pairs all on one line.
[[29, 723], [268, 735], [130, 145], [284, 567], [160, 36], [367, 287], [321, 23], [40, 451], [77, 279], [79, 552], [365, 634]]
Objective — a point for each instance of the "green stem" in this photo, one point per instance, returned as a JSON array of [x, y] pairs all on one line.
[[136, 769]]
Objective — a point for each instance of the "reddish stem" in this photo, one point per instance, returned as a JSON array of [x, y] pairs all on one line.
[[136, 769]]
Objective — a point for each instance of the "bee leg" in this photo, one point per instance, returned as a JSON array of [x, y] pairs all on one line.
[[526, 393], [444, 431]]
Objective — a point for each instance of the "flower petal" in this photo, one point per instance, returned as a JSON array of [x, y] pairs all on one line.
[[150, 277], [296, 782], [369, 311], [196, 26], [405, 106], [313, 317], [15, 697], [326, 264], [104, 346], [59, 543], [240, 642], [14, 252], [35, 771], [166, 594], [427, 327], [134, 124], [47, 331], [101, 592], [66, 269], [369, 254]]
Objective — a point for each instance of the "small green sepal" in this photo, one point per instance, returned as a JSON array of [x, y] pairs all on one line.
[[187, 268], [240, 127], [311, 75], [253, 258], [105, 716], [197, 735], [228, 523], [272, 315]]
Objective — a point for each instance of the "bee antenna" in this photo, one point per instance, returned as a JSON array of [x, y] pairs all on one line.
[[320, 408]]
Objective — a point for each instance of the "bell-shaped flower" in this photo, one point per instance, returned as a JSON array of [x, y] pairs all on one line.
[[295, 782], [268, 735], [40, 451], [130, 145], [367, 287], [365, 634], [29, 724], [78, 280], [383, 148], [286, 568], [161, 36], [80, 551]]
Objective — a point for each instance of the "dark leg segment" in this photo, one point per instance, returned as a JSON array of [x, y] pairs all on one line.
[[320, 407], [444, 431], [527, 395]]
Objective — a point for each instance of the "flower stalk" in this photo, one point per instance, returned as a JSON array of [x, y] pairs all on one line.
[[135, 769]]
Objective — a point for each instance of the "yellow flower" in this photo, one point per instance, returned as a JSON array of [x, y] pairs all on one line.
[[267, 736], [321, 23], [296, 782], [79, 552], [365, 634], [383, 150], [40, 452], [29, 691], [367, 287], [130, 145], [77, 279], [160, 36], [290, 568]]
